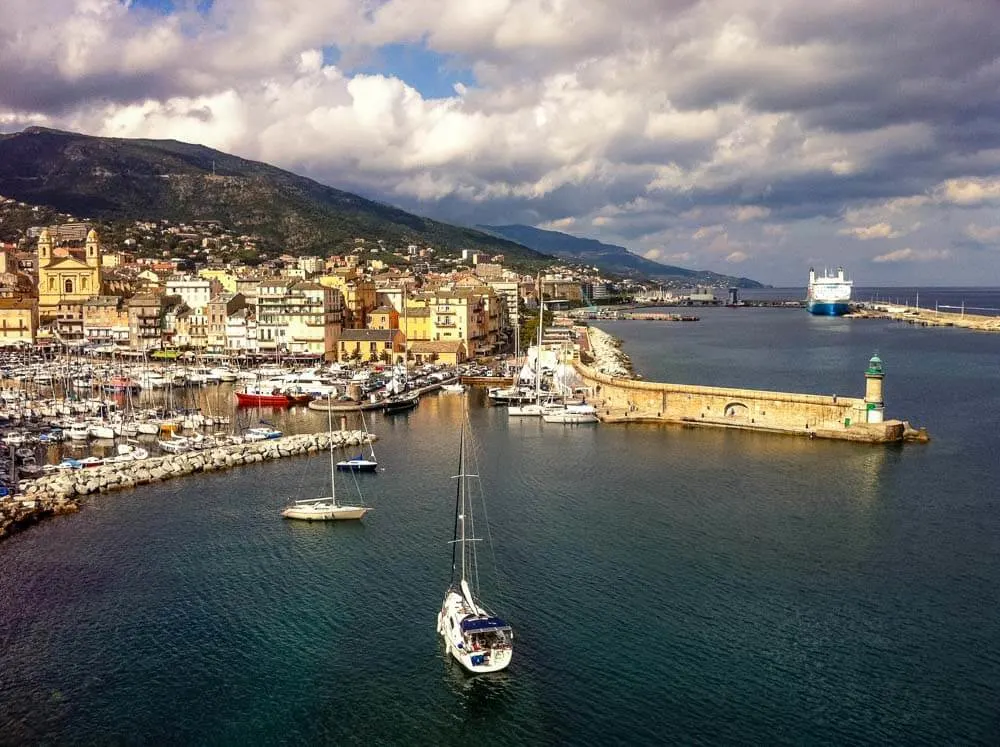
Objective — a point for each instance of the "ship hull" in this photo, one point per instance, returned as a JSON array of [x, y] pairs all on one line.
[[828, 308], [269, 400]]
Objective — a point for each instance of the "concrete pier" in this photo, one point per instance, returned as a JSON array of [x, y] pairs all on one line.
[[625, 400], [62, 491]]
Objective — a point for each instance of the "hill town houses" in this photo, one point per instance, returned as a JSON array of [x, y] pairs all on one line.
[[73, 290]]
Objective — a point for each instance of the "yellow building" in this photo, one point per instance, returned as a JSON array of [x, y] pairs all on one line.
[[226, 278], [359, 296], [18, 320], [64, 283]]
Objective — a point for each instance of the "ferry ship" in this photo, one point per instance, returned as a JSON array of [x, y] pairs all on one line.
[[828, 295]]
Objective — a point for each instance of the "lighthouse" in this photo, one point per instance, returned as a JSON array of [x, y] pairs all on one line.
[[874, 402]]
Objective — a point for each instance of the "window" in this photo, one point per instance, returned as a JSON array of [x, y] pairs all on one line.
[[69, 285]]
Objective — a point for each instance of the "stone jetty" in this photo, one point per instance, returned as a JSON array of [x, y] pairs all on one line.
[[61, 492]]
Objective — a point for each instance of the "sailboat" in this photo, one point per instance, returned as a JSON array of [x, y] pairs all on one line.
[[325, 508], [477, 639], [360, 463], [534, 408]]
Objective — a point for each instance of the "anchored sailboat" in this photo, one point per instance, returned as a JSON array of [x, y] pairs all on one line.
[[477, 639], [325, 508], [360, 463]]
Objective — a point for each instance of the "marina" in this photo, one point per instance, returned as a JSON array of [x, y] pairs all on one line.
[[720, 575]]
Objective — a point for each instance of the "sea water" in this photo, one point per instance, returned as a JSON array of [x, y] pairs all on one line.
[[666, 584]]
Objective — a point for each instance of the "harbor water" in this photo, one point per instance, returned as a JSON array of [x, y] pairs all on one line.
[[666, 584]]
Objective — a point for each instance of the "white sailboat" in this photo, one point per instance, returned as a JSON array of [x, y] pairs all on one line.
[[325, 508], [477, 639], [535, 408]]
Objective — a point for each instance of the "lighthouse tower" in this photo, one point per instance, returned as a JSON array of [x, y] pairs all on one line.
[[874, 402]]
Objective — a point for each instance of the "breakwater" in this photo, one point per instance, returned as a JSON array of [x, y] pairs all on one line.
[[626, 400], [62, 491]]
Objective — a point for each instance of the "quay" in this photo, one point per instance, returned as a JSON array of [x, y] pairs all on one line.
[[61, 492], [620, 399], [927, 317], [638, 316]]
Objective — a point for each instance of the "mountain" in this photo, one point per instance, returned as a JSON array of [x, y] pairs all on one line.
[[131, 179], [612, 258]]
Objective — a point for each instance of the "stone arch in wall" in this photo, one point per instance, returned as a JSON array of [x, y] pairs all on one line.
[[736, 411]]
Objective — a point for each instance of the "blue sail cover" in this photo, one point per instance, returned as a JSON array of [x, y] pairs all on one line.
[[483, 624]]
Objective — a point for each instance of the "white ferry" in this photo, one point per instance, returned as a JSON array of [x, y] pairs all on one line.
[[828, 295]]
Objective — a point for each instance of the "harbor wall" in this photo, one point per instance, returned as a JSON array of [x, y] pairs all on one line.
[[61, 492], [812, 415]]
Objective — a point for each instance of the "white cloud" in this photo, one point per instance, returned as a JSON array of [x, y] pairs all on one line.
[[866, 233], [969, 191], [913, 255], [750, 212], [737, 257], [983, 234], [638, 119], [708, 231]]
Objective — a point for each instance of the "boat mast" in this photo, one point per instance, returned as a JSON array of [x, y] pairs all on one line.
[[459, 540], [538, 350], [333, 466]]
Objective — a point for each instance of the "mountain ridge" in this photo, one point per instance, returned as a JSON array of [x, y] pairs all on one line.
[[610, 257], [144, 179]]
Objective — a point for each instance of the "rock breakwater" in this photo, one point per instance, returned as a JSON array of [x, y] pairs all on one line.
[[609, 358], [61, 492]]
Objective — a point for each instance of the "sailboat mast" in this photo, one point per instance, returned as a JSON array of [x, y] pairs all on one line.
[[333, 467], [538, 350], [458, 510]]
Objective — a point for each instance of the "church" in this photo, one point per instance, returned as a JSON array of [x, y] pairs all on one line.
[[66, 278]]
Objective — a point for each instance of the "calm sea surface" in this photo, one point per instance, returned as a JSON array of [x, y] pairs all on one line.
[[667, 585]]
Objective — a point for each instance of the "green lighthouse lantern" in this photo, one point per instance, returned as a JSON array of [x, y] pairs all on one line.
[[874, 401]]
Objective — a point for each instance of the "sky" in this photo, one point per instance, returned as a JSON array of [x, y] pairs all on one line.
[[749, 137]]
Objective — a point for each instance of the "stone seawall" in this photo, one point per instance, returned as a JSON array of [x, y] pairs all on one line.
[[621, 400], [60, 492]]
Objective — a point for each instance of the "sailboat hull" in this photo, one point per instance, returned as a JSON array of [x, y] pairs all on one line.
[[324, 512], [473, 652], [357, 465]]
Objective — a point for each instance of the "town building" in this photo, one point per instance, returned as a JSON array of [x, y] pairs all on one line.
[[370, 345], [105, 321], [145, 322], [18, 320], [67, 276]]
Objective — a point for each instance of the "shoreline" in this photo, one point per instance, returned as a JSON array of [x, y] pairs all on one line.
[[62, 492]]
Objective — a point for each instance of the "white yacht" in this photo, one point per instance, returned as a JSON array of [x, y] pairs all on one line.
[[325, 508], [572, 414], [480, 641]]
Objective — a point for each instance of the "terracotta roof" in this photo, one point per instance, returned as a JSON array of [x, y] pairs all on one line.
[[368, 335], [437, 346]]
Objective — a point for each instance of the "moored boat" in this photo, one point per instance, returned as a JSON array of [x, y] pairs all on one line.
[[265, 397], [325, 508]]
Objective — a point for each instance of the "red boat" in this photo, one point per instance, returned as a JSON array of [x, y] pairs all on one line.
[[263, 398]]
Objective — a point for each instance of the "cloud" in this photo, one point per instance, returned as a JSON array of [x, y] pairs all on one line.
[[913, 255], [707, 232], [969, 191], [866, 233], [750, 212], [737, 257], [982, 234], [649, 121]]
